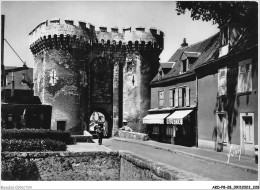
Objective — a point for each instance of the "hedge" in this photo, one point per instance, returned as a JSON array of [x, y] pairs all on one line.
[[36, 134], [30, 145], [19, 169]]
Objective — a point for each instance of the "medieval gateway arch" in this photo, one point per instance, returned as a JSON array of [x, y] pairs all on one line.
[[79, 70]]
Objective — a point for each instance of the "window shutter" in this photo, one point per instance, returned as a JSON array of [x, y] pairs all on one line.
[[176, 100], [180, 97], [249, 78], [239, 79], [222, 81], [170, 97], [187, 96]]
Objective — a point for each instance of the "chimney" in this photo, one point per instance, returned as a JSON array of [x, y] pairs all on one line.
[[184, 44]]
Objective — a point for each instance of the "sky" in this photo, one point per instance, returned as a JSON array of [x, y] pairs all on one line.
[[21, 17]]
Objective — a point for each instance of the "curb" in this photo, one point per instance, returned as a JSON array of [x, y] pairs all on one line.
[[244, 168]]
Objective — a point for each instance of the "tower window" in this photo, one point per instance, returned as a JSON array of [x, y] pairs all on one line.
[[129, 67]]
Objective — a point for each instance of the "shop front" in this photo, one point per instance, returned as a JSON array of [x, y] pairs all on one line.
[[182, 125], [156, 126]]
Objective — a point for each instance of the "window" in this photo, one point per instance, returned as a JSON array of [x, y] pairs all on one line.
[[224, 36], [184, 96], [176, 98], [185, 65], [161, 98], [160, 75], [155, 129], [129, 66], [169, 130], [222, 81], [172, 97], [245, 76]]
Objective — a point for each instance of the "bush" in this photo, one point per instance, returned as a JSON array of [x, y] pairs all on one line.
[[36, 134], [28, 145], [19, 169]]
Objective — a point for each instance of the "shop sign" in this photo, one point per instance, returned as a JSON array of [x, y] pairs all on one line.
[[175, 121]]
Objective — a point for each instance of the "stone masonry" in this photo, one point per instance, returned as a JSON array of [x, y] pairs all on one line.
[[79, 70]]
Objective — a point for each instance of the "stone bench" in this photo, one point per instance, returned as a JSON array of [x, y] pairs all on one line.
[[133, 135]]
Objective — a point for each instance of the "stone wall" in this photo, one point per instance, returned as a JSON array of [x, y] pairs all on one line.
[[133, 135], [66, 166], [87, 166]]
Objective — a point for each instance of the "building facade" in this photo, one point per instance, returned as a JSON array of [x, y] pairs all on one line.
[[174, 95], [80, 70], [228, 92], [215, 82]]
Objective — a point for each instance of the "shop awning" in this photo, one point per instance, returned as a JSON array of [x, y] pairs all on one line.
[[155, 118], [177, 117]]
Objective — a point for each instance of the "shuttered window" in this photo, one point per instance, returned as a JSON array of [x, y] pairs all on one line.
[[222, 81], [245, 76], [161, 98]]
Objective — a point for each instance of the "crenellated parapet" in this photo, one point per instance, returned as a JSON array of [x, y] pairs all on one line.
[[67, 33]]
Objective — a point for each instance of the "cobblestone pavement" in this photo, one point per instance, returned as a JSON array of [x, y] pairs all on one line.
[[214, 171]]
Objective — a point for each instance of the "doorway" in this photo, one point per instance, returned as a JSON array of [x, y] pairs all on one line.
[[98, 119]]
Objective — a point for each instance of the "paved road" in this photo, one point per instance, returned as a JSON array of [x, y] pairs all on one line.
[[210, 170]]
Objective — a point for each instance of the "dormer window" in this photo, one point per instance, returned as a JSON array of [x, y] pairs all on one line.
[[185, 65], [188, 58], [160, 74], [229, 36]]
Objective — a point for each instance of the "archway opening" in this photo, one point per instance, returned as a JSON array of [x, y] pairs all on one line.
[[98, 119]]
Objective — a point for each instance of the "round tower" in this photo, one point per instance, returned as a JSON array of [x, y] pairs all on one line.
[[60, 71], [142, 61]]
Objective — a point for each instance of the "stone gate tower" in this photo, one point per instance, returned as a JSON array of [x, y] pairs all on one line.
[[79, 70]]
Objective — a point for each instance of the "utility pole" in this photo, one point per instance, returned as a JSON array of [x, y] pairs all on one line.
[[3, 76]]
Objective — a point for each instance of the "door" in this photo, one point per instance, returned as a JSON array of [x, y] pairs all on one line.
[[248, 133], [61, 125]]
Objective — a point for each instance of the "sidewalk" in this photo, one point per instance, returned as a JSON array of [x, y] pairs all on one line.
[[245, 163], [83, 147]]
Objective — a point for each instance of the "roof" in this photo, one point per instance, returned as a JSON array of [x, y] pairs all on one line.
[[207, 48], [248, 40], [167, 65], [18, 77], [191, 54]]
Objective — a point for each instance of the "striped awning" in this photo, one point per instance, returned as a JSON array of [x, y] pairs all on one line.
[[177, 117], [155, 118]]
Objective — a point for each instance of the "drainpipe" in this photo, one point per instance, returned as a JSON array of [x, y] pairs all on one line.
[[3, 77], [197, 111], [12, 85]]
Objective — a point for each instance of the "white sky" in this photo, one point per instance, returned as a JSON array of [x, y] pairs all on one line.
[[22, 17]]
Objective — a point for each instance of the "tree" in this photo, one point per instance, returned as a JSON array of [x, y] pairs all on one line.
[[220, 11]]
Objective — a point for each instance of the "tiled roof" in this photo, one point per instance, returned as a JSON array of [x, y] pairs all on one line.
[[248, 40], [167, 65], [208, 49], [18, 77], [191, 54]]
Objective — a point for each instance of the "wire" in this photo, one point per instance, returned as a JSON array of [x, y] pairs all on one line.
[[15, 51]]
